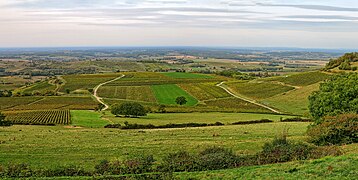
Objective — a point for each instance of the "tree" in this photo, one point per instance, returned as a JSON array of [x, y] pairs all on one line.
[[128, 109], [161, 108], [99, 107], [181, 100], [336, 96], [3, 122]]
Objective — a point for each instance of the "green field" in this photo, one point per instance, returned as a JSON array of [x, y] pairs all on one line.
[[259, 90], [166, 94], [85, 118], [187, 75], [136, 93], [53, 146], [205, 91], [295, 102]]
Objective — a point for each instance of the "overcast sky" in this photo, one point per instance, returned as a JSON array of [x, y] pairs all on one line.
[[241, 23]]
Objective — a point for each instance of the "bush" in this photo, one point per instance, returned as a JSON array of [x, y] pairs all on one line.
[[216, 158], [342, 129], [178, 162], [281, 150], [252, 122], [295, 119]]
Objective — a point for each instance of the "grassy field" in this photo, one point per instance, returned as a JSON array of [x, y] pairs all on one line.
[[162, 119], [259, 90], [166, 94], [187, 75], [136, 93], [52, 146], [205, 91], [342, 167], [302, 79], [295, 102], [85, 118]]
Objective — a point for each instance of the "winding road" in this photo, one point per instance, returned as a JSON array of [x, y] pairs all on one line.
[[99, 99], [247, 100]]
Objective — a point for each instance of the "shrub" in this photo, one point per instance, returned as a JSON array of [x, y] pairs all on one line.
[[342, 129], [252, 122], [178, 162], [295, 119], [129, 109], [281, 150], [216, 158], [18, 170]]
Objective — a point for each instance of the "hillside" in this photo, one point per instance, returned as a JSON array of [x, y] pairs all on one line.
[[345, 62]]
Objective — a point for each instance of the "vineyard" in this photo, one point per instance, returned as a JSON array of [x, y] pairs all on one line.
[[136, 93], [204, 91], [85, 81], [40, 87], [46, 117], [302, 79]]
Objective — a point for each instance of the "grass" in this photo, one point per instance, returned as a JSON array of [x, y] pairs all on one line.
[[204, 91], [136, 93], [294, 102], [259, 90], [342, 167], [85, 118], [303, 79], [181, 75], [177, 118], [166, 94], [47, 147]]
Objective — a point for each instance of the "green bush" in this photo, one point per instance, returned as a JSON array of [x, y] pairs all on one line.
[[129, 109], [282, 150], [342, 129], [178, 162], [216, 158]]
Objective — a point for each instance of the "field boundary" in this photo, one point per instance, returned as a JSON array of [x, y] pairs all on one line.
[[247, 100], [99, 99]]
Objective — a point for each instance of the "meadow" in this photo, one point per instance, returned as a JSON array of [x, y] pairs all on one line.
[[45, 146], [166, 94]]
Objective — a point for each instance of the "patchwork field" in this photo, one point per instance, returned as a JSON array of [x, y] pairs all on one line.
[[85, 81], [166, 94], [40, 87]]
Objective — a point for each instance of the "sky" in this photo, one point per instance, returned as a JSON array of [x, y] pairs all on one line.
[[236, 23]]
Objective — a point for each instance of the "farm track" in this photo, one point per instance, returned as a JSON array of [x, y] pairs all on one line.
[[247, 100], [99, 99]]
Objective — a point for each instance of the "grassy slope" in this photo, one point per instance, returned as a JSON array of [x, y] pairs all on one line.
[[44, 146], [84, 118], [342, 167], [295, 102], [166, 94]]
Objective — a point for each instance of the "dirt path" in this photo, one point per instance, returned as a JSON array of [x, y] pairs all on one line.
[[99, 99], [247, 100]]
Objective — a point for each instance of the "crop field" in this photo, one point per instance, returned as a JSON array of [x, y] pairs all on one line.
[[295, 102], [236, 105], [259, 90], [39, 117], [57, 103], [9, 102], [166, 94], [187, 75], [136, 93], [302, 79], [85, 81], [86, 147], [205, 91], [40, 87]]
